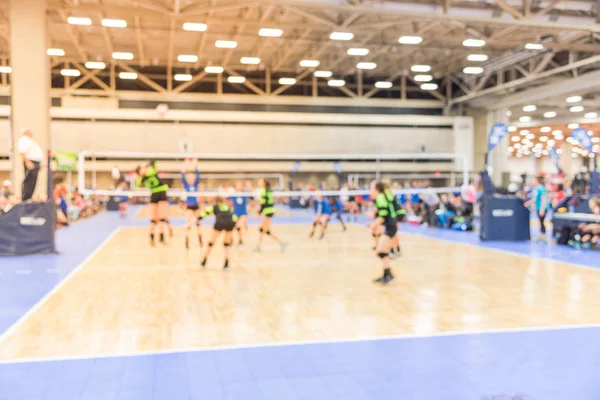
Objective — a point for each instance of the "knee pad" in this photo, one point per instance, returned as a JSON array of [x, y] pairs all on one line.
[[315, 224], [166, 221], [211, 244], [227, 244], [383, 255], [239, 229], [261, 230], [153, 222], [268, 233]]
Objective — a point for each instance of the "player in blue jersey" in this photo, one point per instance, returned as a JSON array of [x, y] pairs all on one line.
[[240, 210], [337, 209], [191, 183], [322, 215]]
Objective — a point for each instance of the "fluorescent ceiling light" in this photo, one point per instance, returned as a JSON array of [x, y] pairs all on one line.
[[250, 60], [524, 132], [55, 52], [420, 68], [236, 79], [323, 74], [79, 21], [550, 114], [591, 115], [341, 36], [576, 109], [423, 78], [509, 113], [366, 65], [574, 99], [95, 65], [194, 27], [515, 138], [5, 69], [525, 118], [410, 39], [543, 138], [114, 23], [128, 75], [478, 57], [529, 108], [545, 129], [226, 44], [429, 86], [214, 69], [510, 149], [191, 58], [474, 43], [336, 82], [530, 136], [355, 51], [512, 128], [517, 145], [287, 81], [270, 32], [182, 77], [473, 70], [117, 55], [573, 125], [534, 46], [70, 72], [383, 85], [557, 132], [310, 63]]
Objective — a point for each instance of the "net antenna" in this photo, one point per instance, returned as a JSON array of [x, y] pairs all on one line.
[[375, 162]]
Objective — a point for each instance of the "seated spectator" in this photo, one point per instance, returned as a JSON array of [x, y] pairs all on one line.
[[587, 235], [6, 189], [559, 196], [59, 196]]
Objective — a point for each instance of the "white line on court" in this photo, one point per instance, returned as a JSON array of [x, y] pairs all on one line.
[[514, 253], [56, 288], [307, 342]]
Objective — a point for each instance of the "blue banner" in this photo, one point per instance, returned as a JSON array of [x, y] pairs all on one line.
[[555, 158], [338, 167], [496, 134], [296, 167], [582, 137]]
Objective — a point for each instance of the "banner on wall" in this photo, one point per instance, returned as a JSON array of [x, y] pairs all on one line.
[[65, 161], [497, 133]]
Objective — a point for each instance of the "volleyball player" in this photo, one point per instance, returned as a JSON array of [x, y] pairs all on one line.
[[399, 211], [240, 210], [191, 183], [224, 223], [322, 215], [159, 202], [353, 209], [337, 209], [385, 217], [267, 210]]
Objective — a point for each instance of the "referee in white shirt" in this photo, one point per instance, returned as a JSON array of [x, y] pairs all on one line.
[[32, 157]]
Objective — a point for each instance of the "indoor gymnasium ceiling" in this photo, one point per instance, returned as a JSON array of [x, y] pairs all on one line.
[[523, 44]]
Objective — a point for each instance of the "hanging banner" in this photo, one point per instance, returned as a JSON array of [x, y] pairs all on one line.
[[296, 167], [582, 137], [338, 167], [497, 132], [555, 158], [65, 161]]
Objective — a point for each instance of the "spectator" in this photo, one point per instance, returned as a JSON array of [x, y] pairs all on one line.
[[541, 202], [32, 157], [6, 190], [469, 192]]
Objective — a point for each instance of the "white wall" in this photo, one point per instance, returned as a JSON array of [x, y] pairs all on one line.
[[527, 165]]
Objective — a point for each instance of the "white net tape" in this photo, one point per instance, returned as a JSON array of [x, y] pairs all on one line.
[[376, 162]]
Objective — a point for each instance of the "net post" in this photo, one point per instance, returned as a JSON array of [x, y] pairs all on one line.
[[81, 172]]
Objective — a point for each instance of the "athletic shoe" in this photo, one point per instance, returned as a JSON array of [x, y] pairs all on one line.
[[284, 245], [379, 280], [226, 266], [187, 243], [203, 263], [257, 250], [387, 279]]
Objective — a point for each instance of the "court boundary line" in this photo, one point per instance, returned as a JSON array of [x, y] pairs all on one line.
[[404, 336], [11, 329], [571, 264]]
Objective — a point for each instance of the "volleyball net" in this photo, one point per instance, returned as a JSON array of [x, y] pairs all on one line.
[[289, 175]]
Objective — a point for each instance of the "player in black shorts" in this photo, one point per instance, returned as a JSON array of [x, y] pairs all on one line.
[[267, 210], [224, 223], [159, 202], [385, 218]]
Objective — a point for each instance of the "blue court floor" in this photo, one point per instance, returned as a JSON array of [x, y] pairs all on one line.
[[561, 363]]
